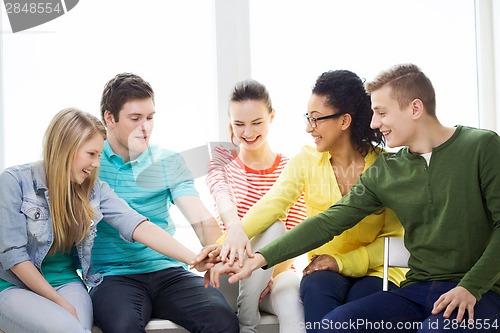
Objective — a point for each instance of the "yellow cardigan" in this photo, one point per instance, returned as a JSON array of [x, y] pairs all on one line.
[[358, 251]]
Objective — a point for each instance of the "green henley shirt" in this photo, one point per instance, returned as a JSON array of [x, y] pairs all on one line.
[[450, 210]]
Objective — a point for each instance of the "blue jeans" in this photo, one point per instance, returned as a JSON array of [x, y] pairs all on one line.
[[126, 303], [324, 291], [23, 311], [408, 309]]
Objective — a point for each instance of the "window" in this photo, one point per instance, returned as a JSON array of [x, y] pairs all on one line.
[[291, 48], [67, 61], [172, 44]]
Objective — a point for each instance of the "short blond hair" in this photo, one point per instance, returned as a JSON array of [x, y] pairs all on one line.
[[408, 83]]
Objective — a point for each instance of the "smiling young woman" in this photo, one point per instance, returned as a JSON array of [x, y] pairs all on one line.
[[237, 179]]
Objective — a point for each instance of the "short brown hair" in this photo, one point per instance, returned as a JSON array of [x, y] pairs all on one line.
[[408, 82], [250, 90], [123, 88]]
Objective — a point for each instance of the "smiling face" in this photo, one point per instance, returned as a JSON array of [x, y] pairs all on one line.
[[250, 121], [129, 135], [395, 123], [87, 158], [327, 131]]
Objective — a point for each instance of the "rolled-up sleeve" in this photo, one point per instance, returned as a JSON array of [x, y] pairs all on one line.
[[117, 212]]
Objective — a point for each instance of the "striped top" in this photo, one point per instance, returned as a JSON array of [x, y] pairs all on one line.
[[228, 176], [149, 184]]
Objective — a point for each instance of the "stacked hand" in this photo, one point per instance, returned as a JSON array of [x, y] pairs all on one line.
[[236, 245], [207, 258]]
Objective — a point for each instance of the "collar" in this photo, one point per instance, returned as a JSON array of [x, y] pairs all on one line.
[[39, 177], [118, 160], [369, 158]]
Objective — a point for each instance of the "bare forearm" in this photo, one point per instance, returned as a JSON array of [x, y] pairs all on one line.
[[204, 224], [161, 241], [228, 212], [33, 279], [211, 231]]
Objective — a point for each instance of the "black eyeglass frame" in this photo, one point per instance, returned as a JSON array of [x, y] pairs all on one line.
[[312, 121]]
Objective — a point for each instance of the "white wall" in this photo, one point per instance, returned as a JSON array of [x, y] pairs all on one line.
[[67, 61], [292, 47], [488, 51], [2, 110], [193, 51]]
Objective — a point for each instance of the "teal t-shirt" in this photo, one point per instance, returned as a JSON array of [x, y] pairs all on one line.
[[58, 269], [149, 184]]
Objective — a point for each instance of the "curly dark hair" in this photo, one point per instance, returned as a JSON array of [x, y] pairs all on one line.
[[344, 91], [123, 88]]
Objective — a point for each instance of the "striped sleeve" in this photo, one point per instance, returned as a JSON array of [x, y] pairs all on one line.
[[229, 177], [296, 213]]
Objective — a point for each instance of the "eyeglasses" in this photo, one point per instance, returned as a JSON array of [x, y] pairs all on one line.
[[313, 121]]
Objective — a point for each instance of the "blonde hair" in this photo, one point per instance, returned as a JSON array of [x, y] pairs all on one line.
[[69, 202], [408, 82]]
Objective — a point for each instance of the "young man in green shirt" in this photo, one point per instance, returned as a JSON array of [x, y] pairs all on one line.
[[444, 185]]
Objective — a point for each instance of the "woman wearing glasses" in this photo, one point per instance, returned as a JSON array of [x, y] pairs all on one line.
[[351, 265], [236, 181]]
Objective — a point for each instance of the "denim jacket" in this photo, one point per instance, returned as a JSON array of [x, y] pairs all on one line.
[[26, 224]]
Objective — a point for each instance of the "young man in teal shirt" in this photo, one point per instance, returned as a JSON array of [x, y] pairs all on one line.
[[139, 283], [444, 185]]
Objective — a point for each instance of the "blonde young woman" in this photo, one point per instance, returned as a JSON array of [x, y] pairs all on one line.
[[236, 181], [49, 211]]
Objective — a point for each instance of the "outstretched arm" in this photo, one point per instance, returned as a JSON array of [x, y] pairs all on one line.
[[161, 241], [236, 243], [358, 261], [273, 206], [204, 224]]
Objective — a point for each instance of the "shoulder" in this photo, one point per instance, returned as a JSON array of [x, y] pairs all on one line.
[[383, 158], [223, 154], [26, 177], [476, 134], [160, 155], [281, 160], [373, 154], [156, 151], [22, 171], [470, 139], [99, 186], [310, 153]]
